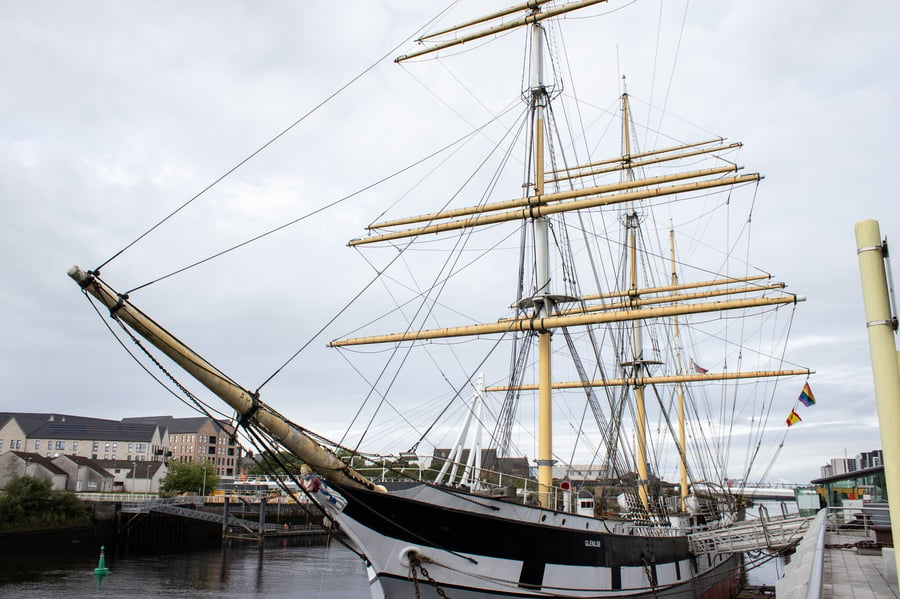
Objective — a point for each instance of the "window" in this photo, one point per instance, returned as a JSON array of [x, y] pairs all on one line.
[[74, 446], [107, 447], [60, 446], [1, 443], [37, 445], [130, 448], [140, 448], [18, 443], [96, 447]]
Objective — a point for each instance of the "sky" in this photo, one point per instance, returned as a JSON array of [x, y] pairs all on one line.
[[115, 114]]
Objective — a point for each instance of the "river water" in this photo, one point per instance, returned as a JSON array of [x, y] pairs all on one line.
[[241, 571], [284, 569]]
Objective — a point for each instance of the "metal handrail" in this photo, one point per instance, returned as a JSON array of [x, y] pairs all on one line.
[[814, 590]]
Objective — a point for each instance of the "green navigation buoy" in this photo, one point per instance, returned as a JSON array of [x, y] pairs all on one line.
[[101, 570]]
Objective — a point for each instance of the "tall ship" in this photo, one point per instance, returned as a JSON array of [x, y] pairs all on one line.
[[619, 333]]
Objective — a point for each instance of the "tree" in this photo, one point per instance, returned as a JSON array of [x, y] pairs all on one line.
[[189, 478], [31, 503]]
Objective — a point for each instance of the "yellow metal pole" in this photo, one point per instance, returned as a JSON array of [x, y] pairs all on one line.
[[883, 350]]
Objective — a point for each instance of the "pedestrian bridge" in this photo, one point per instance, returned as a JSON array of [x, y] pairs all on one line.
[[188, 507]]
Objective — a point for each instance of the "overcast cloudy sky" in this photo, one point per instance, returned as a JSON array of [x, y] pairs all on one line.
[[115, 113]]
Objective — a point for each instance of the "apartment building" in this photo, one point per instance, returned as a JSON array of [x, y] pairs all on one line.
[[53, 435], [192, 440]]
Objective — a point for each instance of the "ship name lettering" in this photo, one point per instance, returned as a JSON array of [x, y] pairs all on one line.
[[592, 543]]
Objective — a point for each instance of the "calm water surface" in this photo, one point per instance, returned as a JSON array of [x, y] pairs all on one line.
[[240, 571], [325, 572]]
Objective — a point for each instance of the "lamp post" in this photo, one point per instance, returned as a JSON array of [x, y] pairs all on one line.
[[133, 476]]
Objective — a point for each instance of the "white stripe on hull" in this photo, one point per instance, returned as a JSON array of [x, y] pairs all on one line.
[[471, 576]]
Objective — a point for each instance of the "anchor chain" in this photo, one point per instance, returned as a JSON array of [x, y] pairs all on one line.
[[856, 545], [416, 566], [648, 572]]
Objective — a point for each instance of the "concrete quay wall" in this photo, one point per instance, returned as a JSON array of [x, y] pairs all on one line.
[[803, 575]]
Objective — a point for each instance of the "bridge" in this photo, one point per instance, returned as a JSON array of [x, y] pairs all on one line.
[[189, 507], [762, 490]]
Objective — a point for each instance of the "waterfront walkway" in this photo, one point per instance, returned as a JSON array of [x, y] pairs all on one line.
[[854, 572], [838, 560]]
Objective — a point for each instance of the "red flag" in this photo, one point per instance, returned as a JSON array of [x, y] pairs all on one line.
[[696, 368], [793, 418]]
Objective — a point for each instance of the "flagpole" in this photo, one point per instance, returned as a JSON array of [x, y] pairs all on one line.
[[883, 350]]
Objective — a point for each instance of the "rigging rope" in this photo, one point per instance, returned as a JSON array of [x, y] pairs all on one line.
[[196, 404], [273, 140]]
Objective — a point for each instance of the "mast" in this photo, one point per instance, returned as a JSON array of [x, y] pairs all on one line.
[[543, 300], [632, 225], [637, 364], [682, 443]]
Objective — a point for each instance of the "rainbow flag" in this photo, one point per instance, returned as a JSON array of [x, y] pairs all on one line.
[[806, 396], [793, 418]]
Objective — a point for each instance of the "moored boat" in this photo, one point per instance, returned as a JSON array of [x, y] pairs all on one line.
[[621, 330]]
